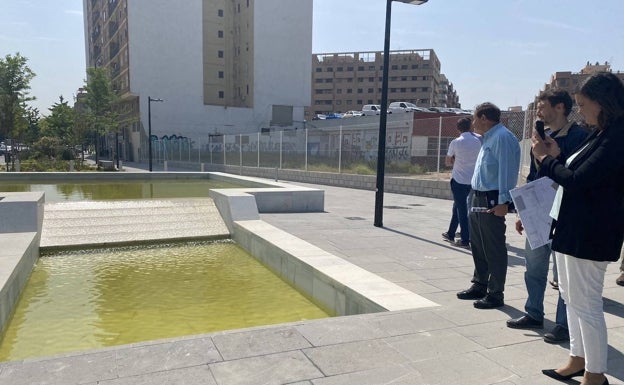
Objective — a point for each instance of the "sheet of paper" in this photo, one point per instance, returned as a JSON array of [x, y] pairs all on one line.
[[533, 202]]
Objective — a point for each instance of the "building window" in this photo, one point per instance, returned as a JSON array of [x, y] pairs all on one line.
[[220, 34], [403, 78], [394, 67], [371, 79], [338, 102], [371, 68], [349, 68], [221, 95], [403, 89], [220, 54], [394, 78], [329, 69], [371, 90], [361, 68], [359, 101], [404, 67], [414, 89], [414, 66], [349, 102], [360, 90], [414, 77], [221, 75], [349, 91], [220, 13], [349, 80], [319, 81], [339, 69], [319, 70], [339, 91], [329, 80], [393, 90]]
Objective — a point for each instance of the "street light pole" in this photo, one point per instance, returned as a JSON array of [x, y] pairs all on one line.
[[383, 115], [149, 127]]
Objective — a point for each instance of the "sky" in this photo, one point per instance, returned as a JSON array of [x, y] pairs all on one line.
[[502, 51]]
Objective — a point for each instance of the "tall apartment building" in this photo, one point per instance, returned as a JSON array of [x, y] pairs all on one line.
[[348, 80], [213, 62]]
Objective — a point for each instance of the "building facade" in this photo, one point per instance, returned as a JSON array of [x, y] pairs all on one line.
[[349, 80], [212, 62], [570, 81]]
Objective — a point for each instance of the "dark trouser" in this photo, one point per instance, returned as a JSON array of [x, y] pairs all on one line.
[[489, 251], [460, 210]]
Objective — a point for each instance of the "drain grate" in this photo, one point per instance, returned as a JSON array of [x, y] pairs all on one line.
[[396, 207], [355, 218]]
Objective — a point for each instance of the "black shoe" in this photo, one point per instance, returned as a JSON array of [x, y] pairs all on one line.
[[525, 322], [447, 237], [553, 374], [463, 245], [474, 292], [488, 302], [557, 335]]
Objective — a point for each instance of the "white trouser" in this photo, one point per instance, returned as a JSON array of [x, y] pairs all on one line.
[[580, 283]]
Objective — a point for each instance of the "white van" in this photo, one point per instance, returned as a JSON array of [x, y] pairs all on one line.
[[371, 109], [405, 107]]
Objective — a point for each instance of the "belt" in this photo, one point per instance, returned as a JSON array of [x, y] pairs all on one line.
[[485, 193]]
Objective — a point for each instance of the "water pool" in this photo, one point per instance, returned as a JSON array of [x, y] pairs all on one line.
[[96, 298], [107, 190]]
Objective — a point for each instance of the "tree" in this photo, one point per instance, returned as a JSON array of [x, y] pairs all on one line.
[[61, 122], [100, 102], [32, 133], [15, 77]]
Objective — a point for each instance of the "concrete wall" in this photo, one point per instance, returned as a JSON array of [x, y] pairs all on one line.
[[165, 45], [21, 219], [400, 185]]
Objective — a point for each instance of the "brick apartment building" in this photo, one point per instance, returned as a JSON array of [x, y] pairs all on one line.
[[348, 80]]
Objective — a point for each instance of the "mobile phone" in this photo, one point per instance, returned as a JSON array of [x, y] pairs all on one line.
[[539, 127]]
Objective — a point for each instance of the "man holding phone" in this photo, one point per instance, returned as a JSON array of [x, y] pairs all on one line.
[[553, 108]]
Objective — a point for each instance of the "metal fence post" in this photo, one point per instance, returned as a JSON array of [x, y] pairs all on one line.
[[439, 143]]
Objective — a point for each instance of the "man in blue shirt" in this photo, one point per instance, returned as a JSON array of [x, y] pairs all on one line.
[[496, 172]]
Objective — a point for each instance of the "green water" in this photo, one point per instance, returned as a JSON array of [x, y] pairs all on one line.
[[120, 190], [96, 298]]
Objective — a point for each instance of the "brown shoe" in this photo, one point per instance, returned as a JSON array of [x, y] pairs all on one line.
[[620, 280]]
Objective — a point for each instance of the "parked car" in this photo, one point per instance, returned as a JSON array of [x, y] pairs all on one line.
[[352, 114], [405, 107], [371, 109], [319, 117], [334, 115]]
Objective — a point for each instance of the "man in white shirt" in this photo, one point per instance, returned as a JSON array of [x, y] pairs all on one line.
[[462, 156]]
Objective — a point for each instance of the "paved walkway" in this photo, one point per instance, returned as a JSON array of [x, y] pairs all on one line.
[[450, 344]]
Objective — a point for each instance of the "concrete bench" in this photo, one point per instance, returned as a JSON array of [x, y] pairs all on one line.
[[106, 164]]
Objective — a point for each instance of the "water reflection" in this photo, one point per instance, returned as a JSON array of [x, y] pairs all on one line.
[[120, 190]]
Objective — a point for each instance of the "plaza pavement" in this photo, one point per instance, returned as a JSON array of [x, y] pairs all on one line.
[[453, 343]]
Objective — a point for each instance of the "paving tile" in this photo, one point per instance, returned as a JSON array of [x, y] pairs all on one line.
[[467, 369], [393, 374], [408, 322], [435, 343], [497, 334], [340, 330], [75, 369], [354, 356], [282, 368], [192, 375], [165, 356], [259, 342]]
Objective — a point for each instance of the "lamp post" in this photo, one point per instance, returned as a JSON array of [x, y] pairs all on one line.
[[383, 115], [149, 127]]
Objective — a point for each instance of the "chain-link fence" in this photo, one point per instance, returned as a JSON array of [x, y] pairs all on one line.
[[413, 146]]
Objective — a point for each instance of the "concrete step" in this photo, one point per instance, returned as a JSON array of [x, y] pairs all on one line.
[[74, 224]]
